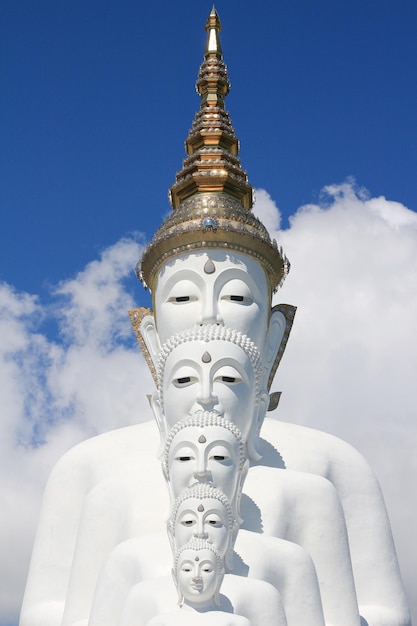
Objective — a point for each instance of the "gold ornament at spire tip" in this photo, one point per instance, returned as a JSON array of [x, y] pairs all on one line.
[[212, 197], [212, 146], [213, 27]]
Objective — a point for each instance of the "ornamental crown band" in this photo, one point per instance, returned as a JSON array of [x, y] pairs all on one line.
[[212, 221]]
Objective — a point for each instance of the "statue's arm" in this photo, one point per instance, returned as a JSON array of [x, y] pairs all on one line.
[[147, 600], [379, 588], [56, 535], [258, 601], [290, 569]]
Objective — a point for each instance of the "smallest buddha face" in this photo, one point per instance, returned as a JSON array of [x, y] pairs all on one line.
[[207, 454], [205, 519], [197, 576]]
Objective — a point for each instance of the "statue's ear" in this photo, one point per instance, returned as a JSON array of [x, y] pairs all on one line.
[[180, 596], [155, 402], [150, 344], [281, 321], [171, 534], [275, 335], [252, 443], [150, 337], [143, 325]]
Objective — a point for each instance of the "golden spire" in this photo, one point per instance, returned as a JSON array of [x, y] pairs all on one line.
[[211, 197], [212, 147]]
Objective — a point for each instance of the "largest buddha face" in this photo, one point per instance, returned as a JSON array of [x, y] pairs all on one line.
[[212, 287]]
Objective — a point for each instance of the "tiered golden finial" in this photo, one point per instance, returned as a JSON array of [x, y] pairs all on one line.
[[211, 197], [212, 147]]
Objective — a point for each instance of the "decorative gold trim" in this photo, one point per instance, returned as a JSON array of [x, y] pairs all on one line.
[[212, 221]]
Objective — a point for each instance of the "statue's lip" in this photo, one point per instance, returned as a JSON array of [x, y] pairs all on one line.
[[200, 410], [200, 482], [198, 586]]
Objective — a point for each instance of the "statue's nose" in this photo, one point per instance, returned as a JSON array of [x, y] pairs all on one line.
[[201, 475], [200, 531], [207, 398], [201, 472], [210, 313]]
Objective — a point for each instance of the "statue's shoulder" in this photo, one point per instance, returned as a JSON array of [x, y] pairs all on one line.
[[242, 590], [220, 618], [107, 453], [310, 450], [212, 618]]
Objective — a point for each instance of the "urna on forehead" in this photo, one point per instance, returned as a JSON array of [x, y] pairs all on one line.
[[211, 262], [193, 497]]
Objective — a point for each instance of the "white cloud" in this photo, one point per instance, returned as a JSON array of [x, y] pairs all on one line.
[[350, 365], [58, 392], [351, 362], [271, 217]]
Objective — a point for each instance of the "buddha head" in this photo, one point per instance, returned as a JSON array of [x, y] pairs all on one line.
[[198, 573], [203, 512], [212, 368], [212, 287], [205, 449], [233, 302]]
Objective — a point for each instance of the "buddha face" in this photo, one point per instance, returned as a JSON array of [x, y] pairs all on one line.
[[213, 376], [202, 519], [214, 287], [197, 576], [209, 454]]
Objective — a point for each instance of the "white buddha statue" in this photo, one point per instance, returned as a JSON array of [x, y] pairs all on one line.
[[206, 453], [206, 595], [282, 503], [204, 512], [213, 263], [292, 446], [283, 564]]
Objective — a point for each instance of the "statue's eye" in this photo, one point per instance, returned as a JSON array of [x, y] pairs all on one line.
[[184, 459], [227, 375], [183, 380], [246, 300], [182, 299], [188, 522], [218, 456]]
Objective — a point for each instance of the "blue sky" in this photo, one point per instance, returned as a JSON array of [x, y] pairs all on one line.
[[97, 101], [99, 98]]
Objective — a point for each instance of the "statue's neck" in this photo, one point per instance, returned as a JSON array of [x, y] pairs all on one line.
[[200, 607]]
